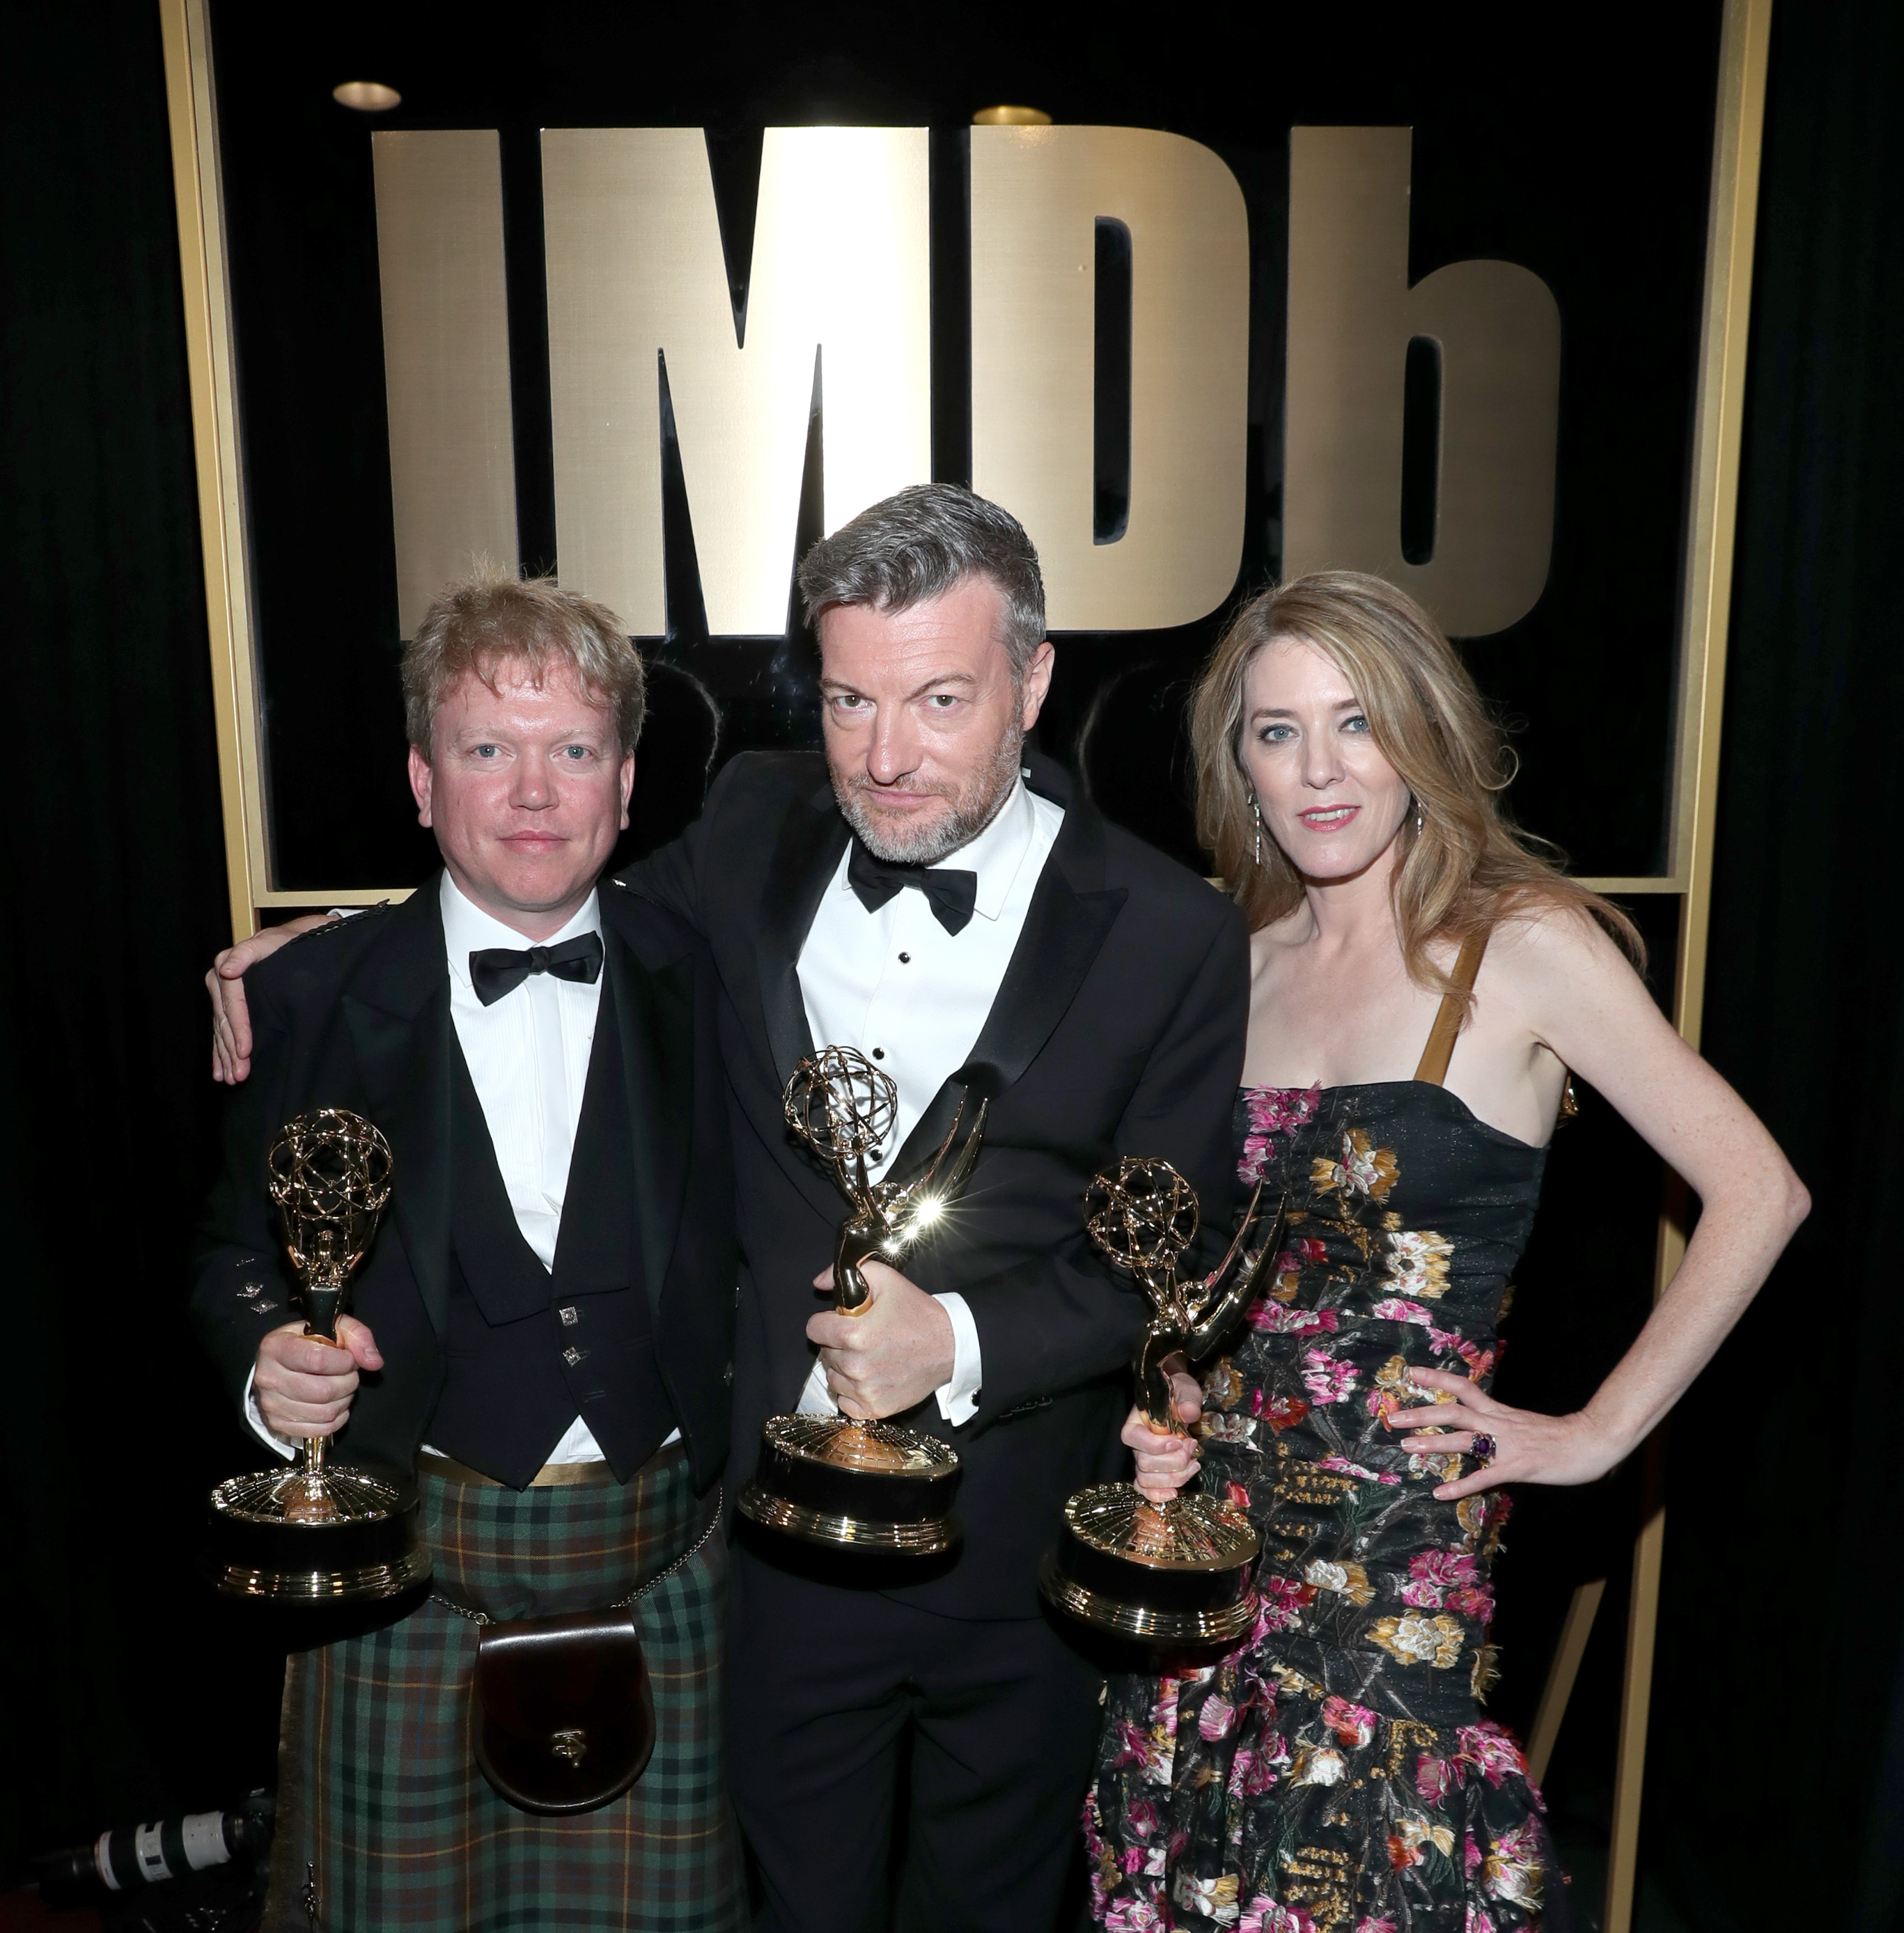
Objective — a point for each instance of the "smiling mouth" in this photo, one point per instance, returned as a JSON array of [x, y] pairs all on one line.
[[1327, 818]]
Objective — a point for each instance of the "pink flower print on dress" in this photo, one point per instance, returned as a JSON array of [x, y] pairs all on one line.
[[1265, 1915], [1290, 1263], [1134, 1916], [1143, 1817], [1447, 1568], [1132, 1743], [1284, 1412], [1340, 1466], [1279, 1606], [1473, 1600], [1353, 1724], [1327, 1379], [1487, 1747], [1217, 1717], [1279, 1111], [1273, 1318], [1513, 1871], [1392, 1309], [1434, 1778]]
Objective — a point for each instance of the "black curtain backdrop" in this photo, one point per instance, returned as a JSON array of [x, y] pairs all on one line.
[[124, 1688], [1776, 1778], [1775, 1781]]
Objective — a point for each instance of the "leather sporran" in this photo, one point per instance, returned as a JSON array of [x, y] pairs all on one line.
[[564, 1715]]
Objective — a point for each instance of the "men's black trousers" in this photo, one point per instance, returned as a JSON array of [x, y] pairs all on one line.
[[833, 1690]]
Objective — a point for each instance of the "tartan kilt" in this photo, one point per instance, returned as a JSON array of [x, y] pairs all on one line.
[[384, 1821]]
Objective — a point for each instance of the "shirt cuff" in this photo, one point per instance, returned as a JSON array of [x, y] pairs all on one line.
[[958, 1397], [816, 1399], [255, 1417]]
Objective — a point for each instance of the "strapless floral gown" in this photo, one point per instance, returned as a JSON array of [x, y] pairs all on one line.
[[1335, 1772]]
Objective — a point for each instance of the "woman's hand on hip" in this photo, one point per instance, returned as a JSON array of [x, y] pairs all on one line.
[[1527, 1446]]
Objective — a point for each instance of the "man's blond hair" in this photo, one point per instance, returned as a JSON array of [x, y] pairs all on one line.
[[493, 618]]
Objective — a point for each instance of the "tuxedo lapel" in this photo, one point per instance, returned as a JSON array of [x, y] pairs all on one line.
[[397, 1013], [812, 837], [654, 1015], [1070, 916]]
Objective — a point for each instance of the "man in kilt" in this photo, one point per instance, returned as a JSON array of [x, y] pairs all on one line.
[[544, 1327]]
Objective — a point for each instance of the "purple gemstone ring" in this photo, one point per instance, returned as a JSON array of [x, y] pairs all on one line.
[[1484, 1448]]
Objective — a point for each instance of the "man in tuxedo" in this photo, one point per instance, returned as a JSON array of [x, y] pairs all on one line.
[[543, 1329], [931, 893], [928, 890]]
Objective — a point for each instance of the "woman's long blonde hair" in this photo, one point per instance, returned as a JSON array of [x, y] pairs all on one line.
[[1469, 866]]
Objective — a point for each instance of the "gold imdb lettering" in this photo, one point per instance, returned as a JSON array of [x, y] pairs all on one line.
[[836, 325]]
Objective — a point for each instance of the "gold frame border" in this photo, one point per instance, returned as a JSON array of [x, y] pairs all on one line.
[[1732, 233], [1705, 617]]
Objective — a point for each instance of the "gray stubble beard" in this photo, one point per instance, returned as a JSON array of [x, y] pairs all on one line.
[[971, 812]]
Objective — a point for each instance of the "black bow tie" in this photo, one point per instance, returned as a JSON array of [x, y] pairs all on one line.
[[952, 894], [497, 970]]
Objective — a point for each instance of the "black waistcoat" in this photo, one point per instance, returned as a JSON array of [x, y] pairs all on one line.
[[529, 1349]]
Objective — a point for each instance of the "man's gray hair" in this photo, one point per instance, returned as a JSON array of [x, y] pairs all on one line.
[[920, 544]]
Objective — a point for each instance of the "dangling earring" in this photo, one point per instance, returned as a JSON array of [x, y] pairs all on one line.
[[1418, 821], [1256, 813]]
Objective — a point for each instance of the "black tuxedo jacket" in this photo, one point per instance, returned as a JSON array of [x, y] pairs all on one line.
[[1118, 1029], [357, 1015]]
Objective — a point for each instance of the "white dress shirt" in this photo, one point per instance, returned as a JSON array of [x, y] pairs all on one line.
[[528, 1056], [913, 998]]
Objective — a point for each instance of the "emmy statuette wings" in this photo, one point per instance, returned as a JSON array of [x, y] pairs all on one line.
[[1179, 1574], [836, 1480], [320, 1532]]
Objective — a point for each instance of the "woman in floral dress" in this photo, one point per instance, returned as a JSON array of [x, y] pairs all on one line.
[[1336, 1771]]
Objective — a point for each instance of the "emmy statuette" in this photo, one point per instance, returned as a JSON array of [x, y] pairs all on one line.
[[1179, 1574], [835, 1479], [321, 1532]]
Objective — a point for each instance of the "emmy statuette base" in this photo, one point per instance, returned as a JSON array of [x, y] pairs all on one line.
[[847, 1533], [1175, 1576], [1140, 1622], [344, 1535], [871, 1487]]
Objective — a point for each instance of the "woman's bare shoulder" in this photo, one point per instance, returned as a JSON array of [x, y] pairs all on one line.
[[1542, 949]]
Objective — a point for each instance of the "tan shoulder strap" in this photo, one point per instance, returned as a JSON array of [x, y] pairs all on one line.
[[1440, 1049]]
